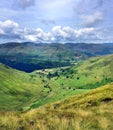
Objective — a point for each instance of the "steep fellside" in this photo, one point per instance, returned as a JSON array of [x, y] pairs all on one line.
[[17, 88]]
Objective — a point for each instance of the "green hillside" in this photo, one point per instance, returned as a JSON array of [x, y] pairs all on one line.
[[19, 90], [91, 73], [24, 91], [16, 88], [89, 111], [93, 98], [86, 75]]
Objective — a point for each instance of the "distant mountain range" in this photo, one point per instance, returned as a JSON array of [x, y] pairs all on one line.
[[30, 56]]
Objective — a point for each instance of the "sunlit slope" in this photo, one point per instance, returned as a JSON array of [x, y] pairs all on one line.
[[20, 90], [88, 74], [89, 111], [24, 91], [93, 98], [16, 88]]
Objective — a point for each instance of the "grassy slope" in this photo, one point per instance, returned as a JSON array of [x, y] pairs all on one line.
[[89, 111], [35, 89], [19, 89], [92, 73], [92, 98], [15, 88]]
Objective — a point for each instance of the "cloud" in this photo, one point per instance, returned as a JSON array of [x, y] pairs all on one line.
[[87, 6], [23, 4], [37, 35], [10, 30], [67, 34], [8, 25], [92, 20], [62, 35]]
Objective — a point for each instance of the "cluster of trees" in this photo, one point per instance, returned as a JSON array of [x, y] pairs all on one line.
[[30, 64]]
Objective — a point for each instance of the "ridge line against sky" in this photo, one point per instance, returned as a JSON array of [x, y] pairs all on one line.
[[56, 21]]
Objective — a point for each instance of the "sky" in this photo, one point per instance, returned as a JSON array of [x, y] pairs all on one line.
[[61, 21]]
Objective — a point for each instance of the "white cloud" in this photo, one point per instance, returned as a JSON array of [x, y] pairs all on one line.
[[31, 38], [11, 30], [37, 35], [84, 31], [8, 24], [58, 31], [69, 34], [93, 19]]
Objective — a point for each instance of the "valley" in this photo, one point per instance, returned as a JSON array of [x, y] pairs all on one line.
[[31, 90], [58, 94], [56, 65]]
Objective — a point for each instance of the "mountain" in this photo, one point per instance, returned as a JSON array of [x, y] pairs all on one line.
[[31, 56], [89, 111]]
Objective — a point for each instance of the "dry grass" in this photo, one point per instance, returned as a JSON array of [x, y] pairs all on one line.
[[37, 120], [94, 117]]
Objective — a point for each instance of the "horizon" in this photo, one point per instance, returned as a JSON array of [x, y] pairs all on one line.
[[30, 42]]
